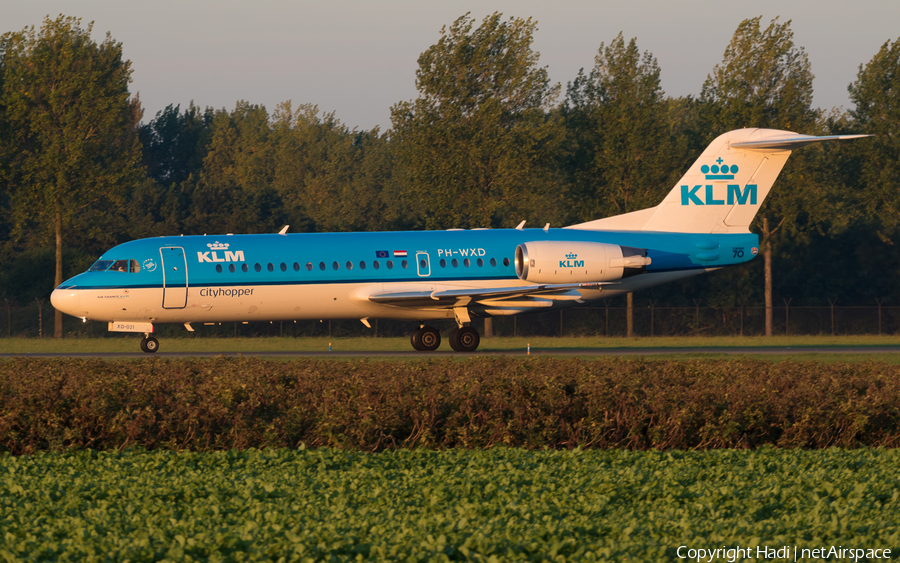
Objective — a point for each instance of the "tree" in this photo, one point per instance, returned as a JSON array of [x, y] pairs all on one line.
[[328, 173], [475, 149], [174, 143], [71, 136], [764, 80], [876, 97], [617, 117]]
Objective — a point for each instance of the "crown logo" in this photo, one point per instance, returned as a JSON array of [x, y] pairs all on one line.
[[217, 246], [719, 171], [571, 256]]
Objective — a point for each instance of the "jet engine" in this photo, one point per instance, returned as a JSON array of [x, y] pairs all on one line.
[[578, 262]]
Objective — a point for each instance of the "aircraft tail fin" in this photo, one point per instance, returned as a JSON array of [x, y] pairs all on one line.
[[723, 189]]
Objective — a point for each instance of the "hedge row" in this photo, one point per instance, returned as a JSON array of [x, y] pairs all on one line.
[[224, 403]]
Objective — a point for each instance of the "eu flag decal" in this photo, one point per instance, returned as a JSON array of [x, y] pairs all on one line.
[[381, 254]]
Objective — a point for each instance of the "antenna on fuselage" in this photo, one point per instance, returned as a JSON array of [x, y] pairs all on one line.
[[283, 230], [521, 226]]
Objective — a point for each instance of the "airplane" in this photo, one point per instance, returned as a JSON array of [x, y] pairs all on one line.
[[700, 226]]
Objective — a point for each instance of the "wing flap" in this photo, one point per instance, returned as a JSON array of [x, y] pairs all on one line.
[[494, 295]]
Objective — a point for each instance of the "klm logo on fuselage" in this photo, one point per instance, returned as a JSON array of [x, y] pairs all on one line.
[[571, 262], [734, 196], [213, 256]]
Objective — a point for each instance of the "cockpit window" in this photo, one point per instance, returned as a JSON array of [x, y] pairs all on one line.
[[129, 266], [100, 266]]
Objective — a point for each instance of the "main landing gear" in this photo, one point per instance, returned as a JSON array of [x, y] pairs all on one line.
[[462, 339], [149, 344]]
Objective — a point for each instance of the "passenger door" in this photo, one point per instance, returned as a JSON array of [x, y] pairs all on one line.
[[175, 277]]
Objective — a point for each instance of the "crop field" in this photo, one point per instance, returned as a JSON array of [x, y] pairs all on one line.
[[454, 505], [223, 403], [482, 459]]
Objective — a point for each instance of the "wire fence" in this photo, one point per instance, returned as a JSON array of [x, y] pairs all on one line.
[[35, 320]]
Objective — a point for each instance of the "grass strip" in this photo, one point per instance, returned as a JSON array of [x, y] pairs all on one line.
[[129, 343]]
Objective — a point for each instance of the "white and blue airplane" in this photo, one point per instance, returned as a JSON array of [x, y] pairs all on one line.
[[700, 226]]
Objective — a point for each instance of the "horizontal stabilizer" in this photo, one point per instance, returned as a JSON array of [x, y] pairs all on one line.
[[790, 143]]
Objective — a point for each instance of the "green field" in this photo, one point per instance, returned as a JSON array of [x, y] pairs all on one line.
[[453, 505]]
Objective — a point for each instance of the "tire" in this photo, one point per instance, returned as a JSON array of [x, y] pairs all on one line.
[[416, 340], [429, 339], [464, 339], [150, 345], [468, 339]]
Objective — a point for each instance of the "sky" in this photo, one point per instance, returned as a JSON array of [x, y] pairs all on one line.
[[357, 58]]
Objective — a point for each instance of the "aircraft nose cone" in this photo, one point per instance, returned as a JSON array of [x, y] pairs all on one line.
[[68, 301]]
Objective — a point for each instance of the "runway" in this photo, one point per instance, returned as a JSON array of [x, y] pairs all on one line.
[[556, 352]]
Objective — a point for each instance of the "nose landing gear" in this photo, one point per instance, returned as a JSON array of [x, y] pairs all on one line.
[[149, 344]]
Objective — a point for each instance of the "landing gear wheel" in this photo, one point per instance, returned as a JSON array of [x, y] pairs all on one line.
[[464, 339], [150, 345], [426, 339], [416, 340], [429, 338]]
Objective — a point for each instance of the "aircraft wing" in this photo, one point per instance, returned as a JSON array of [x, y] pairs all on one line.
[[541, 295]]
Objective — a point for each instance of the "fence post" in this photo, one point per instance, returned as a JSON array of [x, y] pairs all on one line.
[[652, 305], [879, 301], [787, 318], [832, 302], [629, 314]]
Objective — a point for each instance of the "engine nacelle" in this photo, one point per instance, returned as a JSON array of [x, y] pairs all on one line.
[[578, 262]]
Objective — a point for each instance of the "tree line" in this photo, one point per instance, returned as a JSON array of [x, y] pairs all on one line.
[[488, 142]]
